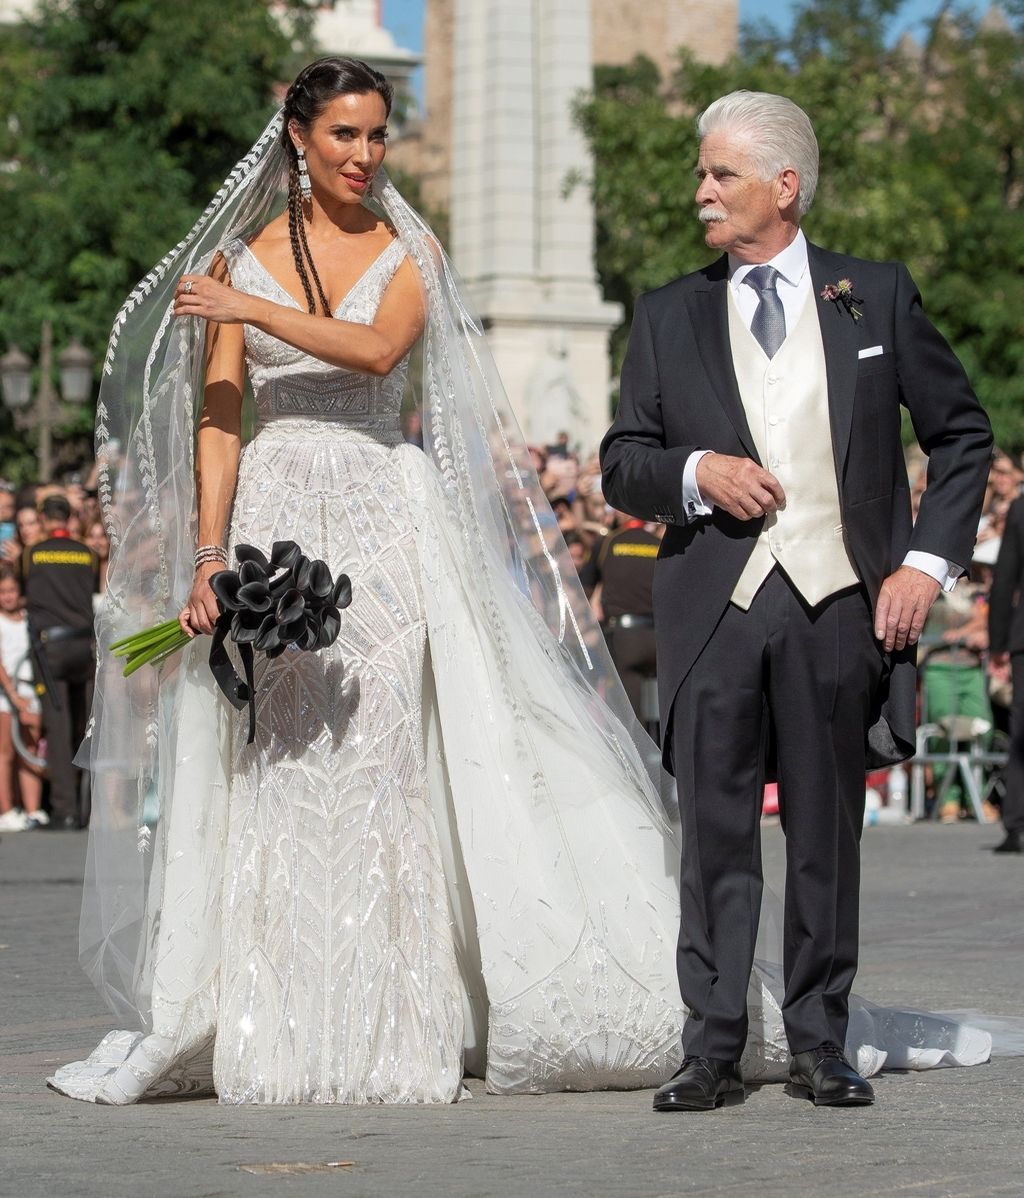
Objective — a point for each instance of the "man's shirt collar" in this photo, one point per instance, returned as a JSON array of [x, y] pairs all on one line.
[[791, 263]]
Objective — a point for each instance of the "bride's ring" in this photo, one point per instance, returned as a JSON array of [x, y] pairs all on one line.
[[188, 286]]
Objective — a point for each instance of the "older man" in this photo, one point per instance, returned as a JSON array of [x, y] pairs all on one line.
[[759, 419]]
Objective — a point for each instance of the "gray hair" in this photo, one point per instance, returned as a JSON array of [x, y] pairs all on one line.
[[780, 133]]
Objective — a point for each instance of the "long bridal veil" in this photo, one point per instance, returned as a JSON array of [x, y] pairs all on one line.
[[559, 824]]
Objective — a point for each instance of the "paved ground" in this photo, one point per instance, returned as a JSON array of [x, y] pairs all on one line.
[[942, 927]]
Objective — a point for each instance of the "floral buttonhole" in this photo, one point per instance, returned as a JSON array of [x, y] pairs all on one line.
[[841, 294]]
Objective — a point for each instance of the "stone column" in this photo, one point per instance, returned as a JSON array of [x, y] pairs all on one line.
[[524, 247]]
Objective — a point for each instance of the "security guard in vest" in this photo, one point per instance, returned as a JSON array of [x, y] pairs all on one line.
[[60, 577], [624, 569]]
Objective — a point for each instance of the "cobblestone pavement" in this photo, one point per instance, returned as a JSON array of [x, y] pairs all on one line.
[[942, 927]]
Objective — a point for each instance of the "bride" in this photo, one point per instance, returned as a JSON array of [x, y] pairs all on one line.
[[449, 848]]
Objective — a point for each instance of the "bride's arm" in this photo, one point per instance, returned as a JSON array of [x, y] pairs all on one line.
[[372, 349], [218, 448]]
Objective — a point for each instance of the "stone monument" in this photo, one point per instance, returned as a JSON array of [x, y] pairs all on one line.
[[522, 240]]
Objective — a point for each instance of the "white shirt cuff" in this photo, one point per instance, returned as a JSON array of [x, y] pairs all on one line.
[[944, 572], [693, 504]]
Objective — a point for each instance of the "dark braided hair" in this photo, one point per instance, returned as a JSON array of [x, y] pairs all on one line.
[[314, 88]]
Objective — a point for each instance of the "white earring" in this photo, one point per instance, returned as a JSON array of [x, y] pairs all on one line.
[[305, 187]]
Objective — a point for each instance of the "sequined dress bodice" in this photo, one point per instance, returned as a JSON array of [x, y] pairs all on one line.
[[289, 384]]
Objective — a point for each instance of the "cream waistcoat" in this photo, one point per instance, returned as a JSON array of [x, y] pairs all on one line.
[[786, 404]]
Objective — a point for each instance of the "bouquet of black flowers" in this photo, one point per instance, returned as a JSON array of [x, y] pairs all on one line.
[[288, 600], [269, 605]]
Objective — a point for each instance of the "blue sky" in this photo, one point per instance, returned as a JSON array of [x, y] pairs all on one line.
[[404, 18]]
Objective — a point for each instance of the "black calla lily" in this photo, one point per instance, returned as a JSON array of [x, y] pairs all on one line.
[[243, 628], [285, 554], [290, 606], [293, 630], [249, 553], [225, 584], [268, 634], [282, 580], [251, 571], [302, 571], [320, 581], [330, 626], [342, 591], [255, 596]]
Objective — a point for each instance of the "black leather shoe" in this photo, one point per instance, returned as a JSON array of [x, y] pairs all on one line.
[[701, 1084], [1010, 845], [826, 1077]]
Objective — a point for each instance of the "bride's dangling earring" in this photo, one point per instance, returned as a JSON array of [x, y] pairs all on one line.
[[305, 187]]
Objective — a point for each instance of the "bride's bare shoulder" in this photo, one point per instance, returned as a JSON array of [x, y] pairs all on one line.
[[273, 234]]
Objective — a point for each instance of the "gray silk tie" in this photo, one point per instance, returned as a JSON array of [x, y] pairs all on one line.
[[769, 323]]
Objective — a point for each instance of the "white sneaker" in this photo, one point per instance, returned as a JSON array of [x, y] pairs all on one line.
[[14, 820], [38, 819]]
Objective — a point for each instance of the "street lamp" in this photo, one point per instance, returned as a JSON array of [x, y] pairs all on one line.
[[16, 373], [75, 365]]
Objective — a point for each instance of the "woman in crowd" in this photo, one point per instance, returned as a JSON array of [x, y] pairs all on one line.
[[19, 779], [1004, 485], [28, 529], [98, 541]]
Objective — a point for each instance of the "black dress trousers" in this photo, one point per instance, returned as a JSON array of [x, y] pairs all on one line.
[[802, 678], [1013, 800], [72, 667]]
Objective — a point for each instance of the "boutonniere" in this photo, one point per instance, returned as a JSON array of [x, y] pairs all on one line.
[[842, 293]]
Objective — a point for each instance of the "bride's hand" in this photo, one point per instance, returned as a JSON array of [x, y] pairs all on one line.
[[199, 295], [201, 612]]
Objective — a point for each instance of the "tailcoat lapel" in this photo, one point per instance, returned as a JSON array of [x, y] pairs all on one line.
[[708, 304], [839, 337]]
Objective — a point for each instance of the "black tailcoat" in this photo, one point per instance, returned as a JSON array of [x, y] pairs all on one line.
[[679, 394]]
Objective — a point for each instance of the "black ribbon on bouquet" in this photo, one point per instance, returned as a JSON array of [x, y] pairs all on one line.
[[269, 605]]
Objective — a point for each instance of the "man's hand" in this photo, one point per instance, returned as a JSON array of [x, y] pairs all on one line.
[[738, 486], [999, 666], [903, 605]]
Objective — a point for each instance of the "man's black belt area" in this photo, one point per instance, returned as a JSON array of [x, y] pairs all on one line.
[[628, 621], [52, 636]]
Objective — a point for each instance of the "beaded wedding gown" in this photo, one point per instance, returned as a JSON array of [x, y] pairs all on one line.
[[427, 861]]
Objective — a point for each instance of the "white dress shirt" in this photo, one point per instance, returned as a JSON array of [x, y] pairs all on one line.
[[793, 286]]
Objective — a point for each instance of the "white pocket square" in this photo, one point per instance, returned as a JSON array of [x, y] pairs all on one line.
[[872, 352]]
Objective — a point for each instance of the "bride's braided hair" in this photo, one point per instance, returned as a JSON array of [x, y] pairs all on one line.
[[314, 88]]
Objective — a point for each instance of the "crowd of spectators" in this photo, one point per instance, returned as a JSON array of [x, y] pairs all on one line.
[[962, 690], [53, 559], [613, 554]]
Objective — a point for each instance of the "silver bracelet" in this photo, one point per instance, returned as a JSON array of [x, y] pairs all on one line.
[[210, 553]]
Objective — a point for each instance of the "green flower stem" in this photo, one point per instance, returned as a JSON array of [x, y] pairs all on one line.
[[176, 646], [150, 646], [147, 650], [147, 636]]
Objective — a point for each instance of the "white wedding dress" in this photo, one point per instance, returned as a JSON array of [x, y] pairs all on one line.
[[426, 862]]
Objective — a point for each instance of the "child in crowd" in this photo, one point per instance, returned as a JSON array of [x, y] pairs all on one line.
[[18, 702]]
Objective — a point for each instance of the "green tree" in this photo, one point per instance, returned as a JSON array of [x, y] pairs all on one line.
[[921, 160], [127, 114]]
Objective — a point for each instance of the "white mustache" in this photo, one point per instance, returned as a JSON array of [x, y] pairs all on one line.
[[711, 216]]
